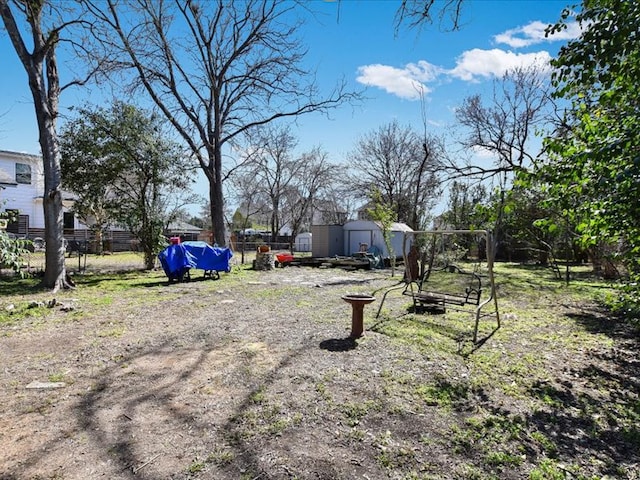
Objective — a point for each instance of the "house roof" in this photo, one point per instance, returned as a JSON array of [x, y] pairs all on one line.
[[368, 224], [183, 227], [19, 155]]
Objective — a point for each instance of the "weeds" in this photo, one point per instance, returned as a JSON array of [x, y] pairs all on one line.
[[356, 411], [551, 394]]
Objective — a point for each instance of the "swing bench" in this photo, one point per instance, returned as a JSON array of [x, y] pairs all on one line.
[[433, 288], [429, 297]]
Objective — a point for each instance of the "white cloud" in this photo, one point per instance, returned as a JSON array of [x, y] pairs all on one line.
[[481, 152], [533, 33], [411, 81], [494, 63], [407, 82], [572, 32]]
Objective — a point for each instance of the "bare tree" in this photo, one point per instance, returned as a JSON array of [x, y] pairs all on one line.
[[215, 69], [402, 167], [249, 194], [417, 13], [274, 167], [335, 204], [505, 125], [314, 176], [41, 65]]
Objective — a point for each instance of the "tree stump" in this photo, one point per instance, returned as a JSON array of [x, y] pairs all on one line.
[[264, 261]]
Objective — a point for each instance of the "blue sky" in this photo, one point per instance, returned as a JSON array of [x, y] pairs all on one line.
[[356, 40], [362, 45]]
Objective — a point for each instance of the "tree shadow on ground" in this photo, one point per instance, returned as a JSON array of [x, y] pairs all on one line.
[[116, 440], [92, 280], [346, 281], [338, 344], [573, 421], [601, 320], [578, 419], [595, 407], [423, 324], [435, 321], [14, 285], [156, 392], [169, 283]]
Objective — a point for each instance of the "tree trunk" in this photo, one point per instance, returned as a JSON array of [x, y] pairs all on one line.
[[216, 199], [149, 260], [45, 93], [55, 274], [98, 240]]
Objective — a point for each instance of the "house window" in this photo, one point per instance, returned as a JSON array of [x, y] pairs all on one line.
[[18, 224], [68, 221], [23, 173]]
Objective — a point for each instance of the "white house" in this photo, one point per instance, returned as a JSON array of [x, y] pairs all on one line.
[[22, 190]]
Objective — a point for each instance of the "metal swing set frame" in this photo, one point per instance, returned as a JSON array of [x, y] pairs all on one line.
[[478, 293]]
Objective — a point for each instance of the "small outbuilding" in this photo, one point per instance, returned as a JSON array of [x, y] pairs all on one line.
[[361, 235], [328, 240], [303, 242], [354, 236], [184, 230]]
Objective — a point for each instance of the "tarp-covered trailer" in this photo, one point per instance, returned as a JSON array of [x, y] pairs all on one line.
[[178, 259]]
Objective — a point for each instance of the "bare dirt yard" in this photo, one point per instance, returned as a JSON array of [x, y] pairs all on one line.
[[253, 376]]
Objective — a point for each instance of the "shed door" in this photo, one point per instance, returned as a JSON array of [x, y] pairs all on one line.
[[355, 238]]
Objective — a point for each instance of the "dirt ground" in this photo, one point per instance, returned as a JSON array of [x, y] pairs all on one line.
[[248, 378]]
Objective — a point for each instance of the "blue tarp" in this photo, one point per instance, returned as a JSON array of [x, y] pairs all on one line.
[[177, 259]]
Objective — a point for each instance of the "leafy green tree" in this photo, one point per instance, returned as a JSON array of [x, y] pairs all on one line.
[[384, 214], [238, 220], [11, 249], [531, 229], [594, 168], [89, 173], [462, 212], [196, 221], [467, 208], [119, 161]]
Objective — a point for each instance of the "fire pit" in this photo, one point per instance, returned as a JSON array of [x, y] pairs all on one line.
[[357, 301]]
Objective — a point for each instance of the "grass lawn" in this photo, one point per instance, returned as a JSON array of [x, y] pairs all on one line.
[[253, 376]]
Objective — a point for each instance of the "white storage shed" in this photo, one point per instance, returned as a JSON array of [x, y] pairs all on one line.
[[303, 242], [363, 234]]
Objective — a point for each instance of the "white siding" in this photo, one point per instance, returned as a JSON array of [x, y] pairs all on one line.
[[23, 197]]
